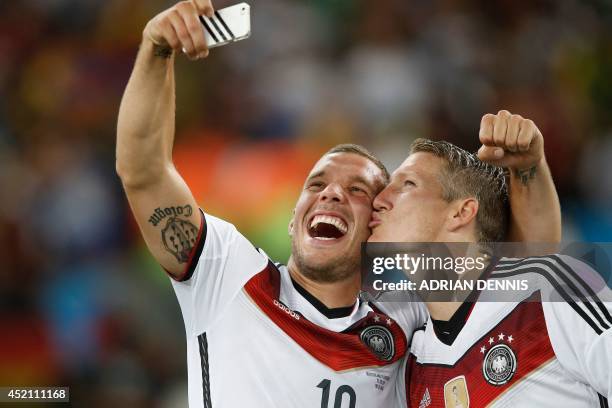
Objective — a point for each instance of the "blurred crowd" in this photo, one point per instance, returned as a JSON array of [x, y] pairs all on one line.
[[81, 302]]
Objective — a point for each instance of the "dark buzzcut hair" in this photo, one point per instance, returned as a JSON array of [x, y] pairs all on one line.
[[466, 176], [361, 151]]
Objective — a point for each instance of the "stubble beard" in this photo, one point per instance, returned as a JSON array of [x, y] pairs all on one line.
[[332, 271]]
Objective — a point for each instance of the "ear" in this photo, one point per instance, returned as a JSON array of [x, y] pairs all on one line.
[[463, 214]]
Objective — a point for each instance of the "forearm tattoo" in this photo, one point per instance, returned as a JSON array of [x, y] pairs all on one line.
[[525, 175], [178, 234], [162, 51]]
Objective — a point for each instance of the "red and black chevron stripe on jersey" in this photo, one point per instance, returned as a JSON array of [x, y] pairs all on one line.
[[532, 348], [339, 351]]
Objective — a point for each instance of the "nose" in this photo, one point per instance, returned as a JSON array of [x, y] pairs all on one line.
[[381, 201], [332, 192]]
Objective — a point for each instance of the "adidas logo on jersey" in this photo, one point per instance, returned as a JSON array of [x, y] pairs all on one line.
[[426, 400], [286, 310]]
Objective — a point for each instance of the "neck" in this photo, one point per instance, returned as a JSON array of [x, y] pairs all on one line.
[[442, 310], [445, 310], [332, 294]]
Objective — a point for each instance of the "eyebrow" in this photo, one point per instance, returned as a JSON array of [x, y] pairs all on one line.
[[408, 173], [319, 173], [361, 180]]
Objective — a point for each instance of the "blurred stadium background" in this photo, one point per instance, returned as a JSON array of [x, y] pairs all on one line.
[[82, 304]]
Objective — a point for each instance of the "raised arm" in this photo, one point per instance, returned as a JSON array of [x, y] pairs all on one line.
[[516, 143], [161, 202]]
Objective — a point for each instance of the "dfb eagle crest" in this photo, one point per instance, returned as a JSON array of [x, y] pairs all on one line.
[[380, 340], [499, 365]]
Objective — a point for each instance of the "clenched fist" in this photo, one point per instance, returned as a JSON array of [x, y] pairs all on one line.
[[510, 141], [179, 28]]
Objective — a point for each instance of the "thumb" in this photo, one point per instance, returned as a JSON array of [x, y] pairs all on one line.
[[490, 154]]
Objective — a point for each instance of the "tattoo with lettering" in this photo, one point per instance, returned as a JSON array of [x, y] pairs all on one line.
[[179, 235], [161, 213], [162, 51], [525, 175]]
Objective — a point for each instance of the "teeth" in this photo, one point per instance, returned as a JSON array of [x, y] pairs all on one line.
[[328, 219]]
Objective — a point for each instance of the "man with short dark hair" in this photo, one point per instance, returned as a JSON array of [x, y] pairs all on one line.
[[259, 334]]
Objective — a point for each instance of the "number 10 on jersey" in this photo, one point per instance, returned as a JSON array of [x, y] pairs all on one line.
[[325, 386]]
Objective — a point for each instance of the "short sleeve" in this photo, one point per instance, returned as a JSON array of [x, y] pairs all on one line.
[[581, 331], [222, 263], [406, 308]]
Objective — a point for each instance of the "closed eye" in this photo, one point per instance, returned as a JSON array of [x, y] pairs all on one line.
[[316, 185], [409, 183], [359, 190]]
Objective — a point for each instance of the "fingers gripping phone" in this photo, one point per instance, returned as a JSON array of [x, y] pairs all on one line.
[[227, 25]]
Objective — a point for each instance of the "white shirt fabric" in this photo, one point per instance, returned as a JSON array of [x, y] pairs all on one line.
[[544, 350], [254, 341]]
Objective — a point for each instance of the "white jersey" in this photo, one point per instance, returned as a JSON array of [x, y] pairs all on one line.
[[253, 340], [535, 352]]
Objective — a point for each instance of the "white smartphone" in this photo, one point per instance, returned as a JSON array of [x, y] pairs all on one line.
[[228, 25]]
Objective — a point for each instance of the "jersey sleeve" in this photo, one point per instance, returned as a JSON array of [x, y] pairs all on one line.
[[222, 262], [580, 331], [406, 308]]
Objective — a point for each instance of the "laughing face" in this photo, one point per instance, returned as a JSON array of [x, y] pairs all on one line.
[[332, 214]]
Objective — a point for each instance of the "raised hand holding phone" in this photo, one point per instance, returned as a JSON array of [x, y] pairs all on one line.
[[193, 27]]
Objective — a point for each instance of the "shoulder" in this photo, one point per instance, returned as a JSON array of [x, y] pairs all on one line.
[[552, 272], [571, 289], [405, 307]]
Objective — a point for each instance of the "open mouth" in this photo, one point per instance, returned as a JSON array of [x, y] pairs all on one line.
[[327, 227]]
